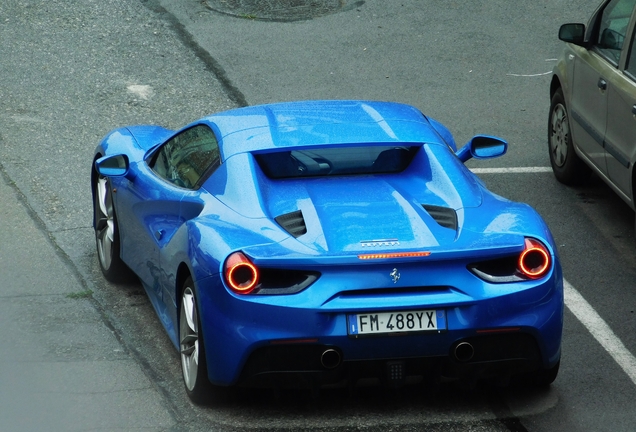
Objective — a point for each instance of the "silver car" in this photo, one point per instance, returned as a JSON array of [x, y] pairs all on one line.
[[592, 124]]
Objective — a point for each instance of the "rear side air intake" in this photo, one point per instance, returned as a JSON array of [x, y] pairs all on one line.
[[293, 223], [446, 217]]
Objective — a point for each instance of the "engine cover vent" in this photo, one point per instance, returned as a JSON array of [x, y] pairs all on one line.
[[446, 217], [293, 223]]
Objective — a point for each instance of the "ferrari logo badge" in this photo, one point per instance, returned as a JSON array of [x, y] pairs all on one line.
[[395, 275]]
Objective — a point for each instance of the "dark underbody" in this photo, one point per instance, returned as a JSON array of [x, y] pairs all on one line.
[[314, 365]]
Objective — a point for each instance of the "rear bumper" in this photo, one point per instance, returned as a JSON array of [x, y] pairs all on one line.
[[253, 342]]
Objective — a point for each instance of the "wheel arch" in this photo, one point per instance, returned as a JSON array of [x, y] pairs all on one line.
[[94, 177], [632, 195], [183, 273], [555, 84]]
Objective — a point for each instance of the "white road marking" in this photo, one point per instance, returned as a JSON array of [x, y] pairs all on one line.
[[600, 330], [513, 170], [530, 75], [533, 75]]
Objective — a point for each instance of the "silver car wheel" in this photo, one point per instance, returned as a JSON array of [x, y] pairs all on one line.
[[189, 335], [104, 223], [559, 135]]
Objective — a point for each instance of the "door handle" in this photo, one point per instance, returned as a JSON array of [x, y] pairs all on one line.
[[602, 84], [634, 110]]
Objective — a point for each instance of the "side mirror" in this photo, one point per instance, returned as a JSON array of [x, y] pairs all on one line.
[[573, 33], [112, 166], [482, 147]]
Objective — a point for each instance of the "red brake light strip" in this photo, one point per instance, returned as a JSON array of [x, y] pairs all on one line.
[[393, 255]]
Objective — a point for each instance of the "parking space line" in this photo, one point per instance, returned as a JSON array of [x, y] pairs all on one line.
[[512, 170], [585, 313]]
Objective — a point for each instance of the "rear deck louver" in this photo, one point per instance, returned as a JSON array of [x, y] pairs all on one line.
[[293, 223], [446, 217]]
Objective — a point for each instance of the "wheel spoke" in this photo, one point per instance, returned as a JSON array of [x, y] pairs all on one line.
[[188, 340], [190, 312], [110, 230], [104, 247], [101, 222], [188, 350], [102, 191], [560, 152]]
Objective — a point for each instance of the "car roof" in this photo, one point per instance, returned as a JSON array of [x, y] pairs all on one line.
[[316, 123]]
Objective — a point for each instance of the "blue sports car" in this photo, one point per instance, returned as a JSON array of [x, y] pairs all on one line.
[[322, 242]]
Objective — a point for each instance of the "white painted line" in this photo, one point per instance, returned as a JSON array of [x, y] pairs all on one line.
[[600, 330], [530, 75], [513, 170]]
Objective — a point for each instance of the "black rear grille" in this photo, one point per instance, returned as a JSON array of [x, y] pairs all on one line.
[[285, 281], [293, 223], [446, 217]]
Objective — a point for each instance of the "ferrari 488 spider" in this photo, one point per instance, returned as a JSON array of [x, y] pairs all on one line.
[[318, 243]]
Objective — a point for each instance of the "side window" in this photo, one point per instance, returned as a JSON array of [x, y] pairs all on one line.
[[613, 27], [186, 157]]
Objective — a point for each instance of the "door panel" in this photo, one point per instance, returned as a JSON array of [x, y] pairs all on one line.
[[148, 211], [620, 137], [588, 106], [174, 249]]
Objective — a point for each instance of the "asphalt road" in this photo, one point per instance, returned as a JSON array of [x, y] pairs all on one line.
[[73, 70]]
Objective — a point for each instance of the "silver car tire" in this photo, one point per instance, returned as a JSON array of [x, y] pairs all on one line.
[[567, 167]]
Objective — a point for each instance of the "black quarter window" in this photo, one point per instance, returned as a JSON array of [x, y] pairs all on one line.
[[187, 158]]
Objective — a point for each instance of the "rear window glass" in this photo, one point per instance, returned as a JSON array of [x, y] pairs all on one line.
[[331, 161]]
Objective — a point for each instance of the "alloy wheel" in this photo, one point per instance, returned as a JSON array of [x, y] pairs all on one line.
[[104, 223], [189, 335], [559, 135]]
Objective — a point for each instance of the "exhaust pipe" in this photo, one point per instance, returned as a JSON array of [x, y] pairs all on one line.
[[464, 351], [330, 359]]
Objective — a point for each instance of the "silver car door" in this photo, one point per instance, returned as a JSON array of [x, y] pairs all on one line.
[[620, 135], [593, 69], [588, 105]]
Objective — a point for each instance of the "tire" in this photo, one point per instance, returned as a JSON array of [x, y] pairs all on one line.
[[107, 234], [191, 348], [567, 167]]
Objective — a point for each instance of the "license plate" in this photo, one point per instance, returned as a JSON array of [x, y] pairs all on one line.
[[396, 322]]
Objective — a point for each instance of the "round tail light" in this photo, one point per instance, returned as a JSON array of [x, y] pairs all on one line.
[[534, 261], [240, 274]]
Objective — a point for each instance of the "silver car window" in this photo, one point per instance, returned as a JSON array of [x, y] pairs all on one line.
[[630, 67], [613, 27]]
